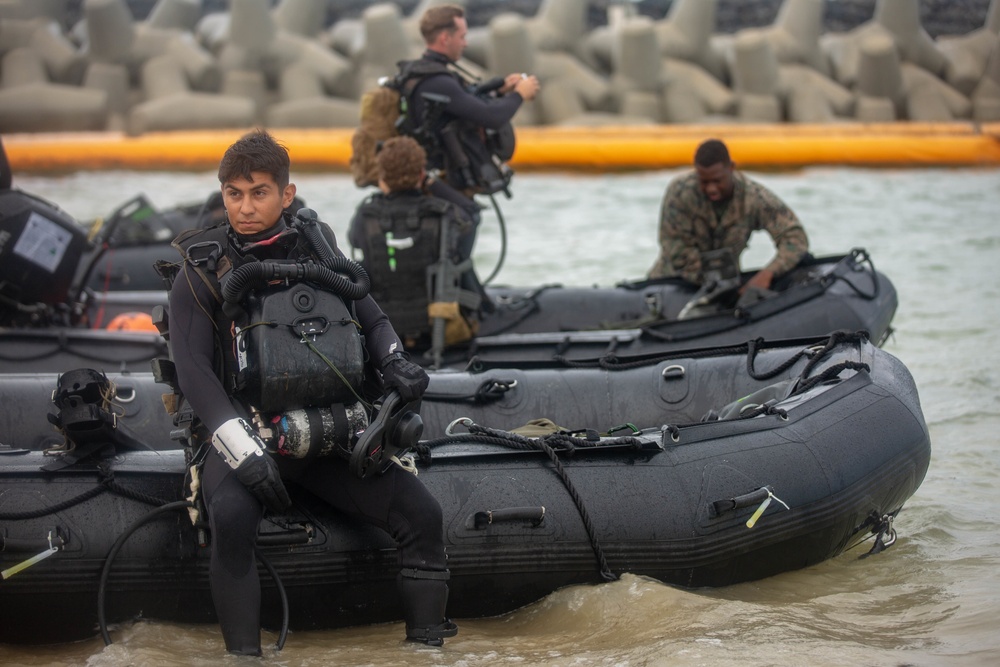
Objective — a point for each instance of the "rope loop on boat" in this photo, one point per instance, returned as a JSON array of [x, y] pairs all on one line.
[[107, 483], [860, 256], [525, 306], [569, 444], [803, 383], [829, 373], [132, 494], [612, 362], [52, 509], [815, 354]]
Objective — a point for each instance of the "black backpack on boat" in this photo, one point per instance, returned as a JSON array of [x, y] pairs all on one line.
[[87, 418]]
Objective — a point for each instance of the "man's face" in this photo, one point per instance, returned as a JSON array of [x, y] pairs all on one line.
[[453, 41], [716, 181], [255, 206]]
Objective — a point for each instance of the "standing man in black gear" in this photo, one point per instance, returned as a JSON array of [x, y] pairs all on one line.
[[450, 113], [226, 391]]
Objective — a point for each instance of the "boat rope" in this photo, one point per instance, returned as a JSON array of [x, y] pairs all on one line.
[[860, 255], [611, 362], [551, 445], [106, 484], [830, 373], [52, 509], [836, 338], [526, 307], [65, 345], [560, 470], [815, 354], [770, 407]]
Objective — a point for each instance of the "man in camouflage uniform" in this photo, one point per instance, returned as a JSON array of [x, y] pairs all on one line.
[[716, 207]]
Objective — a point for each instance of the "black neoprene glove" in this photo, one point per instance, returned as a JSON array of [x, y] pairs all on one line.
[[244, 452], [260, 475], [409, 379]]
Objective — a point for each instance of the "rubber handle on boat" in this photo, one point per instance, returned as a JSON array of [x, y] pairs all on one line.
[[533, 514], [739, 502]]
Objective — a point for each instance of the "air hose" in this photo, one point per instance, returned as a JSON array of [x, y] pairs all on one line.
[[503, 242], [143, 520], [344, 277]]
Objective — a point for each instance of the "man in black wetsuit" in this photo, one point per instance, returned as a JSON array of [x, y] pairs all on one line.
[[444, 30], [242, 475]]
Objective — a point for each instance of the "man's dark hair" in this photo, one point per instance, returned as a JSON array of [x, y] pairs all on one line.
[[255, 151], [437, 19], [401, 163], [712, 152]]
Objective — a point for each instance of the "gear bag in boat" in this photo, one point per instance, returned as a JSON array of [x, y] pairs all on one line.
[[40, 249], [88, 418]]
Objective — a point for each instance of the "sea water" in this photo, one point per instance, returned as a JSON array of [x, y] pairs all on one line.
[[929, 600]]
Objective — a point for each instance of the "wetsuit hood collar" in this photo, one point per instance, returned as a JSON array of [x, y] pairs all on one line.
[[430, 54]]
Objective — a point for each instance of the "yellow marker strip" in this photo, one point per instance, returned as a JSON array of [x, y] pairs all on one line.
[[11, 571], [752, 521]]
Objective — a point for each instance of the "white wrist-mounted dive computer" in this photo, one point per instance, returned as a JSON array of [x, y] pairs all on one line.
[[236, 441]]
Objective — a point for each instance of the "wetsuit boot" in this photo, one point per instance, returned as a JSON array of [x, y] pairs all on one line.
[[424, 594]]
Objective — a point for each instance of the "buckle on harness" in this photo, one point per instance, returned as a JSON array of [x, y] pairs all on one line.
[[209, 258]]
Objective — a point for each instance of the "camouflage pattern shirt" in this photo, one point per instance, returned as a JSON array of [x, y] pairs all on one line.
[[689, 226]]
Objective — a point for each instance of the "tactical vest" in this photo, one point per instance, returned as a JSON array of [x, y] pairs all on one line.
[[471, 157], [284, 344], [401, 241]]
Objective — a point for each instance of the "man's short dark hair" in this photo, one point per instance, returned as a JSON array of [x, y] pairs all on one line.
[[710, 152], [401, 163], [437, 19], [255, 151]]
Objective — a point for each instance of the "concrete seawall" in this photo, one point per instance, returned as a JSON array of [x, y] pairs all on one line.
[[279, 65], [699, 66]]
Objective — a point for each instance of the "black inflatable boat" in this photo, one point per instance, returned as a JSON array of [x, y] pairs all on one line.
[[705, 467], [64, 294]]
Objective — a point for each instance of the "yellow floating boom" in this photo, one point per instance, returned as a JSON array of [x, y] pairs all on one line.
[[548, 148]]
